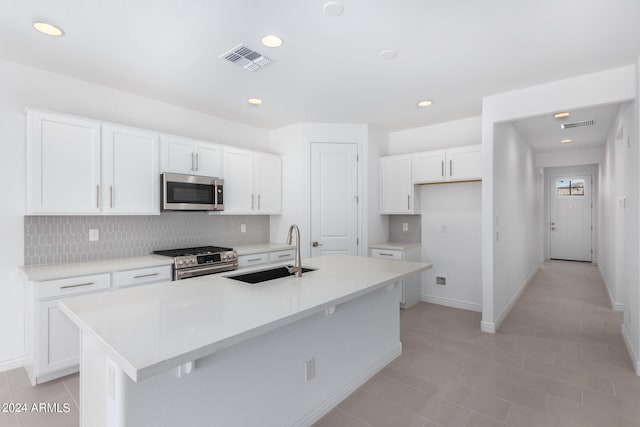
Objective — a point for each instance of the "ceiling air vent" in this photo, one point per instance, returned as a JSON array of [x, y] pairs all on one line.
[[578, 124], [249, 59]]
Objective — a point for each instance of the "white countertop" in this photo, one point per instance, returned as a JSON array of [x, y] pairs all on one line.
[[60, 271], [395, 246], [262, 247], [150, 329]]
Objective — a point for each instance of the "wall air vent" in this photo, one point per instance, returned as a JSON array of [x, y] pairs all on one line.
[[578, 124], [249, 59]]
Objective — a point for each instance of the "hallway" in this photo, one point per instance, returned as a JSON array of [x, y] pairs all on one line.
[[559, 360]]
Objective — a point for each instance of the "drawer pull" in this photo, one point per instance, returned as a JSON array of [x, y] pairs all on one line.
[[254, 259], [383, 254], [77, 286], [284, 256], [145, 275]]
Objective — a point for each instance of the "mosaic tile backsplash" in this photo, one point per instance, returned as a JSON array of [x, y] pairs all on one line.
[[413, 235], [65, 239]]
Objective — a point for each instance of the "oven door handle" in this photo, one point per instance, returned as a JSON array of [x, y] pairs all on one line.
[[193, 272]]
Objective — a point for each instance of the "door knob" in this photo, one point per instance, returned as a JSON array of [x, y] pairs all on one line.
[[553, 228], [316, 244]]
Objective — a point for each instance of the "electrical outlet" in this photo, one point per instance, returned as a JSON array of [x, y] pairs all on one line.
[[441, 280], [94, 235], [243, 228], [310, 369], [405, 226]]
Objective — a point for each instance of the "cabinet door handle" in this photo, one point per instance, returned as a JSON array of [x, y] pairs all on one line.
[[258, 202], [76, 286], [252, 202], [408, 201], [450, 167], [145, 275], [98, 196], [192, 162], [111, 194], [442, 168], [197, 161]]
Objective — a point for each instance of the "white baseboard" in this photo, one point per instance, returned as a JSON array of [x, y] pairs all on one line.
[[632, 354], [464, 305], [513, 301], [489, 327], [332, 401], [617, 306], [7, 365]]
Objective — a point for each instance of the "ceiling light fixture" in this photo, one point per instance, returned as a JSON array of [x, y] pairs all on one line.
[[561, 115], [254, 101], [48, 29], [271, 40], [333, 8], [425, 103], [388, 54], [566, 141]]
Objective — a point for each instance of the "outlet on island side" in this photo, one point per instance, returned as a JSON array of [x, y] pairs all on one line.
[[310, 369]]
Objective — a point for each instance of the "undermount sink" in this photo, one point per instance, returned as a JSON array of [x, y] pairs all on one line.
[[265, 275]]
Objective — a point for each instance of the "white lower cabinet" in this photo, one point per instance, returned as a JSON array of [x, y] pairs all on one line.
[[52, 340], [411, 287], [142, 276], [253, 259]]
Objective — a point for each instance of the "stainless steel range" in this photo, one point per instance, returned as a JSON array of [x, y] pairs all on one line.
[[200, 261]]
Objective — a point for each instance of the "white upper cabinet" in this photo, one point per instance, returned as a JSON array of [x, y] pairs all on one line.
[[252, 182], [455, 164], [130, 174], [188, 156], [464, 163], [429, 166], [396, 184], [82, 167], [63, 164]]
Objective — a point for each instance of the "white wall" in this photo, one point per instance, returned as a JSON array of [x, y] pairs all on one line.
[[455, 252], [377, 225], [611, 225], [23, 86], [588, 156], [517, 196], [443, 135], [606, 87]]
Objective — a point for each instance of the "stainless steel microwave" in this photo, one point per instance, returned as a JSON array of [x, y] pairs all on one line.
[[191, 193]]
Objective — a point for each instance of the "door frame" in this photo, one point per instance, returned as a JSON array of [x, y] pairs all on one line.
[[549, 174], [359, 210]]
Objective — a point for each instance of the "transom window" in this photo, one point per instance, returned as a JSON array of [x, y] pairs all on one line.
[[573, 187]]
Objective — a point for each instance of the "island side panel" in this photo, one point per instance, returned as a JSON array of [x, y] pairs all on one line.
[[262, 381]]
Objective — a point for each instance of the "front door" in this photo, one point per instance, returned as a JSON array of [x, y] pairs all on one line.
[[570, 225], [334, 198]]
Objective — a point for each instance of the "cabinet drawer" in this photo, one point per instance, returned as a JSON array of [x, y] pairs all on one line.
[[253, 259], [387, 254], [75, 285], [142, 276], [282, 255]]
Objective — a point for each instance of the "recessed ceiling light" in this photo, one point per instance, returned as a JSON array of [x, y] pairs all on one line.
[[271, 40], [388, 54], [561, 115], [48, 29], [566, 141], [333, 8], [254, 101], [425, 103]]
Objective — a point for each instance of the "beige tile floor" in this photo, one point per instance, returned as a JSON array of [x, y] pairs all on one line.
[[559, 360]]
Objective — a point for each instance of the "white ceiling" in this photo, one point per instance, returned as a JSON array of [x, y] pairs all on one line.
[[544, 132], [328, 70]]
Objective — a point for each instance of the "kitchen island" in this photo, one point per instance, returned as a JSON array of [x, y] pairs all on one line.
[[215, 351]]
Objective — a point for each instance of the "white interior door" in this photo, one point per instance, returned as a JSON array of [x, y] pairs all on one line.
[[334, 199], [570, 218]]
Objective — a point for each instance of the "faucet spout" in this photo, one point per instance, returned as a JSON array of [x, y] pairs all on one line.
[[297, 268]]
